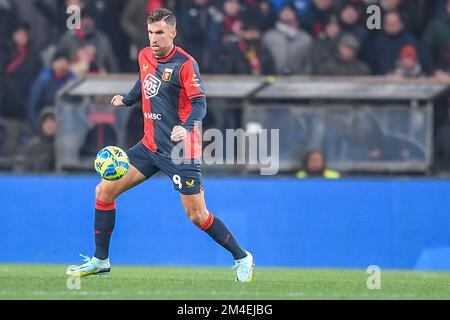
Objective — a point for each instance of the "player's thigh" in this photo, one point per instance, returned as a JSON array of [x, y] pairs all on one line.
[[142, 159], [194, 202], [110, 190], [186, 177]]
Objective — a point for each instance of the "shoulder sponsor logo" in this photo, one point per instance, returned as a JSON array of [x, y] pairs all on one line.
[[167, 74], [151, 86], [145, 67], [196, 81]]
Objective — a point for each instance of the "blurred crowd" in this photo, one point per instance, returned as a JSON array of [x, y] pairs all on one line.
[[39, 54]]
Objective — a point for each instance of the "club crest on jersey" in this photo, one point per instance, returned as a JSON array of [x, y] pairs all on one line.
[[167, 74], [145, 67], [151, 86]]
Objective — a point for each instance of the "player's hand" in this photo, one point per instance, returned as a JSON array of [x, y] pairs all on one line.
[[117, 101], [178, 133]]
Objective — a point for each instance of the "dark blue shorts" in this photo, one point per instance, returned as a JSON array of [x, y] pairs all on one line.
[[186, 177]]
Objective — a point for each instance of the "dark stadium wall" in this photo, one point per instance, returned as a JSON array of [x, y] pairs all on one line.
[[395, 224]]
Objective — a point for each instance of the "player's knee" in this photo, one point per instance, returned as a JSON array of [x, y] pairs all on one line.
[[104, 192], [197, 215]]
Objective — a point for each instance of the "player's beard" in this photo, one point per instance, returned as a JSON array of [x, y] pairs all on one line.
[[161, 53]]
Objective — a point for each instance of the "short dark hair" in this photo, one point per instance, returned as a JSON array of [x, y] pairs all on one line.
[[60, 55], [162, 14], [309, 154]]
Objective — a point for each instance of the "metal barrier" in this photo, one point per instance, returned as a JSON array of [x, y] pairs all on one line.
[[363, 124]]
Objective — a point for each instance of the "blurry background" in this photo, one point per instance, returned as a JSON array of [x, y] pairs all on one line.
[[393, 120], [362, 107]]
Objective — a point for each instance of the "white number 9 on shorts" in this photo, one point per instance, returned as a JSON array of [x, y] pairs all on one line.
[[177, 180]]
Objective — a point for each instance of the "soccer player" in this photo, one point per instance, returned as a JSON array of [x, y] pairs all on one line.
[[173, 103]]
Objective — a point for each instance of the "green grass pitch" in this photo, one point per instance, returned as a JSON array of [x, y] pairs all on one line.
[[188, 283]]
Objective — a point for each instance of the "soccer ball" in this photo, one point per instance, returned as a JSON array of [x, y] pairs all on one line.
[[111, 163]]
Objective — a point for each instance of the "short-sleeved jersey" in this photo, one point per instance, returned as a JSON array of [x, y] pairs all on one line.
[[167, 86]]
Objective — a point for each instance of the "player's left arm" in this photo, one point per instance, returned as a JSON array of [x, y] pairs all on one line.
[[193, 85], [131, 98]]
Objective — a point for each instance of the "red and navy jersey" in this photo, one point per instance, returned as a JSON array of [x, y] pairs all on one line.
[[167, 87]]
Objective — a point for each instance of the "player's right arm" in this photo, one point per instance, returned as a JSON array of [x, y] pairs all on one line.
[[133, 97]]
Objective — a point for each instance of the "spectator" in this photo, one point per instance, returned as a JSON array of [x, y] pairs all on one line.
[[45, 87], [56, 11], [299, 5], [346, 62], [437, 41], [8, 19], [365, 139], [388, 44], [107, 15], [389, 5], [40, 151], [325, 46], [51, 18], [43, 32], [314, 166], [18, 67], [55, 15], [350, 21], [232, 21], [85, 61], [200, 31], [263, 11], [369, 142], [134, 19], [248, 56], [408, 65], [317, 16], [104, 12], [289, 46], [408, 10], [74, 39]]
